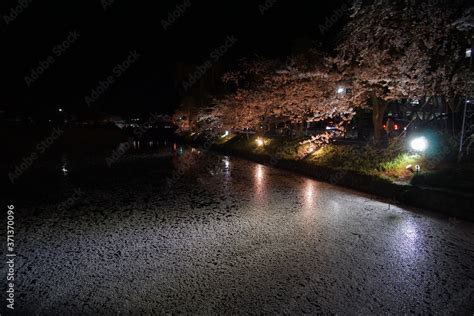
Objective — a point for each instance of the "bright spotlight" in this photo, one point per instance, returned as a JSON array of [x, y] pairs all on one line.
[[419, 144], [259, 141]]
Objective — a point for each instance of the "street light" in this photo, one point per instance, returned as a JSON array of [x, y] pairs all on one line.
[[419, 144], [259, 142]]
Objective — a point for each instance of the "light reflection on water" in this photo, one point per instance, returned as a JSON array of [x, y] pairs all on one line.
[[409, 229], [259, 182], [64, 164], [226, 171], [226, 162], [64, 169], [259, 174], [407, 239], [309, 194]]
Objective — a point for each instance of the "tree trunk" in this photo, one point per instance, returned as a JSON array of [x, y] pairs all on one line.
[[378, 110]]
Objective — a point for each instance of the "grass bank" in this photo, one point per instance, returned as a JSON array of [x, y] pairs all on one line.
[[440, 186]]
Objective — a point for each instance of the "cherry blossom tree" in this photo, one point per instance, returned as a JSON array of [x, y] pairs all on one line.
[[389, 50], [396, 50], [302, 89]]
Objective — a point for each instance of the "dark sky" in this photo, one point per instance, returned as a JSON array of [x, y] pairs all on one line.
[[107, 36]]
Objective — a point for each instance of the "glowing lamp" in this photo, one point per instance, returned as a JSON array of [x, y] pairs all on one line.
[[259, 142], [419, 144]]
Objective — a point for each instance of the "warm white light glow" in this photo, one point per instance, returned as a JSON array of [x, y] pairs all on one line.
[[340, 90], [259, 173], [60, 110], [309, 191], [260, 142], [309, 199], [226, 133], [226, 162], [419, 144]]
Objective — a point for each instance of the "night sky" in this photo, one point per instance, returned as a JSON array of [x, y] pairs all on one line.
[[100, 39]]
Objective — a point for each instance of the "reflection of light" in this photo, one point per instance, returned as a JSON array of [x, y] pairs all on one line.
[[259, 173], [311, 149], [309, 190], [64, 170], [340, 90], [409, 231], [226, 133], [419, 144], [226, 162], [259, 183], [408, 240], [259, 142], [308, 194]]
